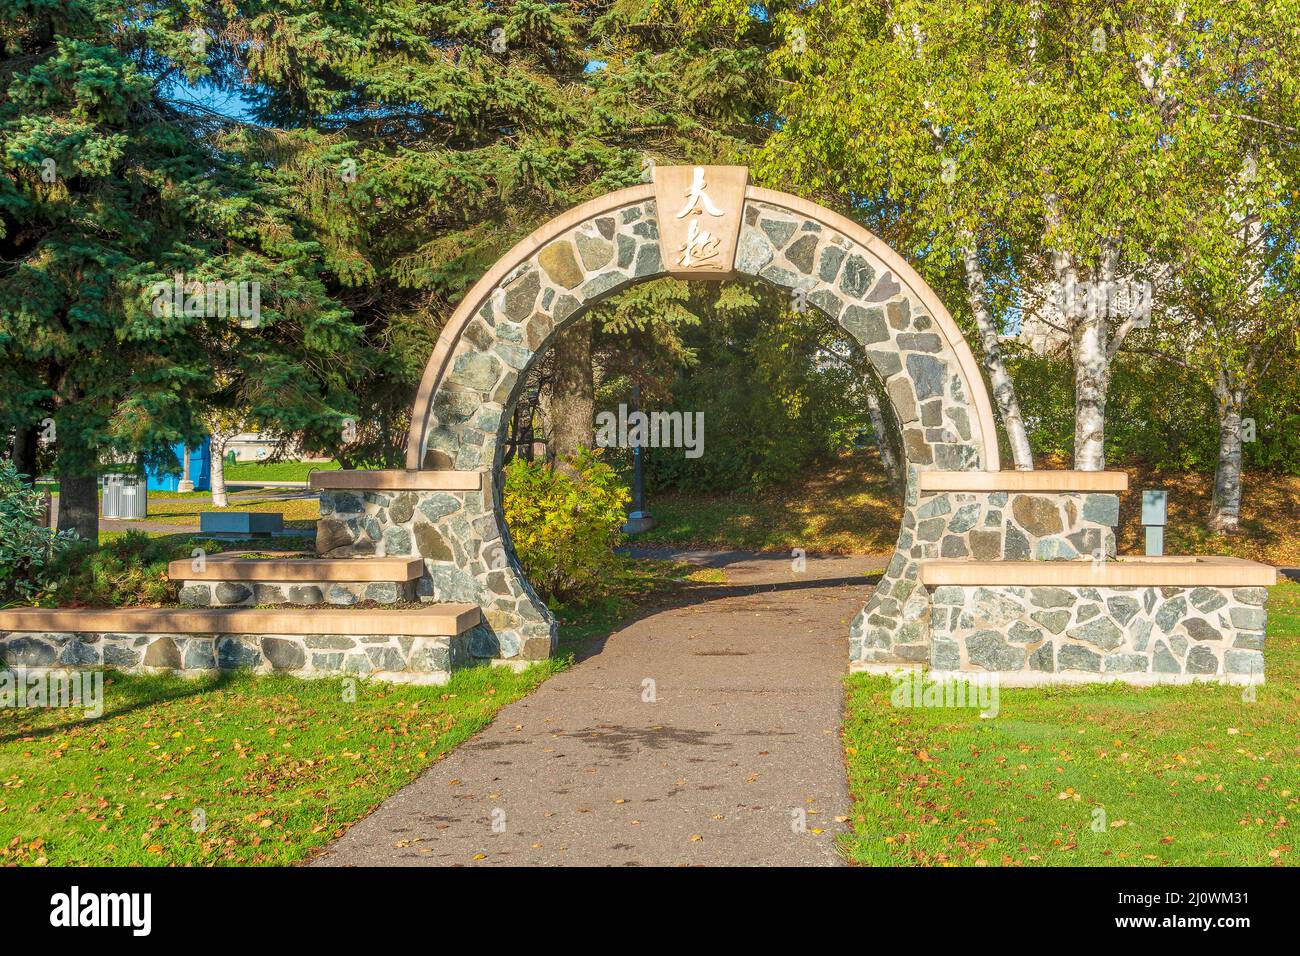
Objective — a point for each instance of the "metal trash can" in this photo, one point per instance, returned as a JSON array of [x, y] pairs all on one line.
[[126, 497]]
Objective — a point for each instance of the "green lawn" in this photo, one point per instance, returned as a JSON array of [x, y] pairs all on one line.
[[300, 514], [1198, 775], [277, 765], [276, 470]]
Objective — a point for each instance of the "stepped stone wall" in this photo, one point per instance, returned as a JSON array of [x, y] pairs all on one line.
[[464, 547], [294, 594], [1143, 635], [988, 526], [400, 659]]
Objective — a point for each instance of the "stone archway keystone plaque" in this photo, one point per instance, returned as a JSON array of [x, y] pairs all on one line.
[[699, 210]]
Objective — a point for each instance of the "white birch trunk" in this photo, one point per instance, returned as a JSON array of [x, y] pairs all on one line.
[[1004, 390], [1085, 315], [886, 450], [1226, 507], [217, 451]]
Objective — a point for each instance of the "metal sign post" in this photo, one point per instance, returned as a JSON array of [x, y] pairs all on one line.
[[1155, 513]]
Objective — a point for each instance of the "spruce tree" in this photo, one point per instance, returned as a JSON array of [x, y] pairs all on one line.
[[110, 192], [431, 136]]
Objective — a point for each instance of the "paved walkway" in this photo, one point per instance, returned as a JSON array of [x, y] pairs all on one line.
[[742, 734]]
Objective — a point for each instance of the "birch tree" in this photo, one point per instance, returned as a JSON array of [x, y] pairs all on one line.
[[1082, 138], [1234, 312], [1147, 107], [222, 427], [908, 107]]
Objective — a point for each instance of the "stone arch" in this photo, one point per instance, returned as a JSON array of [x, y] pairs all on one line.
[[601, 247]]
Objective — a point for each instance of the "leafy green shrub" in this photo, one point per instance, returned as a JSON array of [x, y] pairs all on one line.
[[565, 528], [128, 571], [27, 550]]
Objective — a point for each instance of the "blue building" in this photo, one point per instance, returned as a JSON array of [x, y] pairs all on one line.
[[200, 470]]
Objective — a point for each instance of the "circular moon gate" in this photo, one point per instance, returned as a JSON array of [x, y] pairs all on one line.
[[697, 223]]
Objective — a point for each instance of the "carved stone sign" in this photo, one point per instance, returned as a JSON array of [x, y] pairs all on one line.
[[699, 210]]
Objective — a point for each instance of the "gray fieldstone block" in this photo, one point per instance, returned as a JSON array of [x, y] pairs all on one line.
[[385, 592], [228, 592], [1043, 659], [1101, 509], [1022, 633], [397, 541], [200, 654], [1164, 661], [1123, 608], [75, 653], [120, 655], [196, 595], [305, 594], [1101, 632], [1199, 630], [1072, 657], [1171, 613], [1247, 618], [1051, 597], [1202, 660], [329, 661], [1243, 662], [949, 595], [945, 654], [233, 654], [1127, 664], [1206, 600], [283, 654], [1249, 640], [340, 595], [1054, 621], [989, 650]]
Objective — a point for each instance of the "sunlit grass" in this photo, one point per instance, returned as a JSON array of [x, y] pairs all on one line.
[[1096, 775], [229, 769], [273, 766]]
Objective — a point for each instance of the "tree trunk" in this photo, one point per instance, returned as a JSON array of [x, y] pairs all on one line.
[[1086, 320], [1226, 508], [573, 396], [24, 457], [1004, 390], [79, 504], [1089, 398], [887, 457], [217, 470]]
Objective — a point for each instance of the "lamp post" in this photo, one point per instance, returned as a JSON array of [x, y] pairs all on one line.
[[639, 519]]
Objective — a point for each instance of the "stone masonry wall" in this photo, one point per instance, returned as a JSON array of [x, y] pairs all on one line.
[[416, 660], [488, 363], [297, 593], [986, 526], [1144, 635], [464, 558]]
